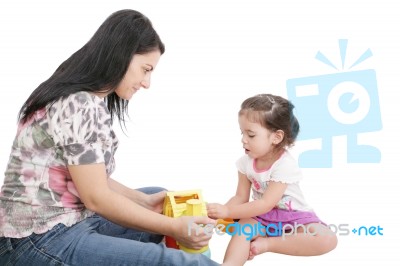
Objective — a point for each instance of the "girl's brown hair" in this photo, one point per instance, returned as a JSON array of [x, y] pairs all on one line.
[[274, 113]]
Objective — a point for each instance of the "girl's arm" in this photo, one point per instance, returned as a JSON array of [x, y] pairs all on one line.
[[271, 197], [242, 191], [237, 208]]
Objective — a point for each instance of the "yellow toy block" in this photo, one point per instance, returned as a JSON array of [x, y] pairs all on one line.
[[175, 203], [187, 203]]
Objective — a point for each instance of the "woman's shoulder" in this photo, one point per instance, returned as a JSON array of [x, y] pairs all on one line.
[[76, 117], [75, 102], [82, 98]]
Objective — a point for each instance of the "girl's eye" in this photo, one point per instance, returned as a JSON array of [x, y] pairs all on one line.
[[252, 136]]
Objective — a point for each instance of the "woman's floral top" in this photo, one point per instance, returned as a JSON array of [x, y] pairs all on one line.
[[38, 191]]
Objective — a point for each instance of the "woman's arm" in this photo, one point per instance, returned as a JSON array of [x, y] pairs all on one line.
[[135, 195], [94, 191], [152, 202]]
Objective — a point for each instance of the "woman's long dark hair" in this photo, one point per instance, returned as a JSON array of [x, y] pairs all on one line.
[[100, 64]]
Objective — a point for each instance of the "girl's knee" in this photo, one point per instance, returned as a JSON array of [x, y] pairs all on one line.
[[332, 242], [327, 239], [247, 221], [327, 243]]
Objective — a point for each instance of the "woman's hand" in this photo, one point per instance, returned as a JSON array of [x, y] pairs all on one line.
[[216, 210], [154, 201], [188, 232]]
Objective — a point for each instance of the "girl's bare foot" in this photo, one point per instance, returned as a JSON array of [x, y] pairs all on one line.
[[251, 255], [258, 246]]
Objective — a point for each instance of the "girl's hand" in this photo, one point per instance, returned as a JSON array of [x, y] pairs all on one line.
[[216, 210], [155, 201]]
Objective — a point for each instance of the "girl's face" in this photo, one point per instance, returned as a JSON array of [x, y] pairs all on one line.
[[138, 74], [258, 142]]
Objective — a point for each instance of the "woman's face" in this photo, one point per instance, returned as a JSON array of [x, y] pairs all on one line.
[[138, 74]]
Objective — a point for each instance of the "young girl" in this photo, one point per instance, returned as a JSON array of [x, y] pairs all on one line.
[[269, 127]]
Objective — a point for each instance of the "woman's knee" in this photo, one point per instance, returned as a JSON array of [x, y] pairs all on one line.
[[151, 190]]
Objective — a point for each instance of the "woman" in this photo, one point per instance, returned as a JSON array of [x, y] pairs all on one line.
[[58, 203]]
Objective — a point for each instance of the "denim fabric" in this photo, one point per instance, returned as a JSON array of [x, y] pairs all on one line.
[[95, 241]]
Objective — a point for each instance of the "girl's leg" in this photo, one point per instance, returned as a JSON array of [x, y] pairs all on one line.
[[317, 239], [238, 248]]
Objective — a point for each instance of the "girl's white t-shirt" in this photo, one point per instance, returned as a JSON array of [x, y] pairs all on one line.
[[285, 170]]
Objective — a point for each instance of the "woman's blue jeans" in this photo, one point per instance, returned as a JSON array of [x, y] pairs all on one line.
[[95, 241]]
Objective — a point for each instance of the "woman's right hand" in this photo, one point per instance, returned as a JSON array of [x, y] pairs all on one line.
[[189, 233]]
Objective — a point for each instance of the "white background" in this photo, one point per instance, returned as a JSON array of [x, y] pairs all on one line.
[[183, 132]]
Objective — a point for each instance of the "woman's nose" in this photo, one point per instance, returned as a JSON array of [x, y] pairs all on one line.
[[146, 82]]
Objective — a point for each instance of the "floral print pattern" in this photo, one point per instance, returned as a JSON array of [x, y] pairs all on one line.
[[38, 191]]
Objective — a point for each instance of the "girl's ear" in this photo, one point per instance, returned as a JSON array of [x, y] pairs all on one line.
[[278, 136]]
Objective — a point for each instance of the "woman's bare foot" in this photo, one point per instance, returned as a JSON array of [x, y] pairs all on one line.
[[258, 246]]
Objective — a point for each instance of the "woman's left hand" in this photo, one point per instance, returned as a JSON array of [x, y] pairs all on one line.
[[155, 201]]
